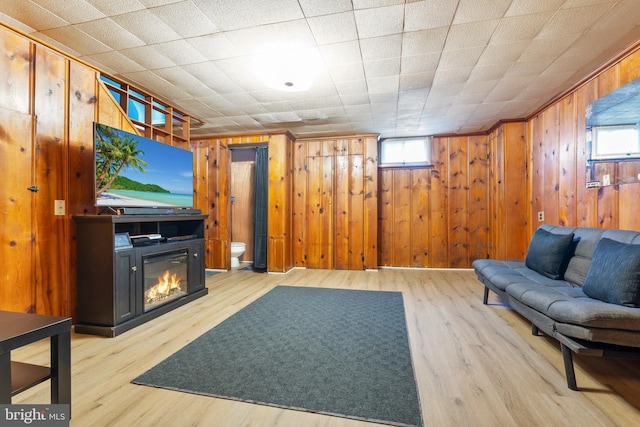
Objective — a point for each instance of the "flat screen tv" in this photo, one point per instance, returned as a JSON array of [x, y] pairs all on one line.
[[134, 171]]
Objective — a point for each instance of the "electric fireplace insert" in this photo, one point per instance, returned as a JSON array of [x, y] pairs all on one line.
[[165, 278]]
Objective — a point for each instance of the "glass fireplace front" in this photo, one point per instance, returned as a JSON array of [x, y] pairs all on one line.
[[165, 278]]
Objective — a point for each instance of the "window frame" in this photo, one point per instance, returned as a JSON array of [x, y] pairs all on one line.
[[596, 156], [427, 162]]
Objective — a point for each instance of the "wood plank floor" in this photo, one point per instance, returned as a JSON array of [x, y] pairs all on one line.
[[475, 365]]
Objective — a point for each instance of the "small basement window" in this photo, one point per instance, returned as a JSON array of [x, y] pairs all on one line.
[[615, 142], [405, 151]]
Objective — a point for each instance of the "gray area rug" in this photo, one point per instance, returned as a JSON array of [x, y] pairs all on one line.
[[330, 351]]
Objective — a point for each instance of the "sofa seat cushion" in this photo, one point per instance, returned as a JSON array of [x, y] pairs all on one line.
[[549, 253], [570, 305], [504, 273], [614, 275]]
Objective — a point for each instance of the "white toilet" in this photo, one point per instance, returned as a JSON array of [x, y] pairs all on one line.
[[237, 249]]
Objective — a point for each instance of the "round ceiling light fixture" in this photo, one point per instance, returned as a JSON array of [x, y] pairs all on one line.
[[291, 70]]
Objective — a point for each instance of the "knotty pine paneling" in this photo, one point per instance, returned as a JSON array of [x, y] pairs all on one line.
[[82, 114], [478, 196], [508, 192], [48, 104], [17, 292], [52, 243], [438, 236], [558, 160], [217, 229], [335, 203], [436, 217], [15, 67], [279, 224]]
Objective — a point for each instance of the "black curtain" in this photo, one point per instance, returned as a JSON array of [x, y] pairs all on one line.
[[260, 210]]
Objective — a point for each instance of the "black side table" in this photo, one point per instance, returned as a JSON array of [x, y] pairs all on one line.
[[20, 329]]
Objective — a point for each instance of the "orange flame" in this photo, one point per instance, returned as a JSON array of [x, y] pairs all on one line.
[[167, 283]]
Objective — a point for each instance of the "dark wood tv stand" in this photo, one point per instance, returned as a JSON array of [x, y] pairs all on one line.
[[110, 268]]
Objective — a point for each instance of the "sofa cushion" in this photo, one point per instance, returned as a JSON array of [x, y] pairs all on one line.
[[569, 305], [549, 253], [579, 264], [614, 275]]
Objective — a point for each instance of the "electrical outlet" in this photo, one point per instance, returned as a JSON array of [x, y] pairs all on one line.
[[606, 179], [541, 216], [59, 207]]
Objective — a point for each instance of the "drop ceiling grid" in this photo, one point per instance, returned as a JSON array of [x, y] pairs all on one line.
[[391, 65]]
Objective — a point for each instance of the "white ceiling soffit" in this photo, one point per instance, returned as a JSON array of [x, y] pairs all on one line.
[[393, 67]]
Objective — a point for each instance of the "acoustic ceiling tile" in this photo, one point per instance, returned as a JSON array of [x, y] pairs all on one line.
[[16, 24], [368, 4], [230, 15], [32, 15], [481, 73], [528, 7], [148, 57], [380, 21], [451, 76], [106, 60], [347, 72], [146, 26], [214, 46], [472, 34], [460, 58], [384, 98], [502, 54], [180, 52], [474, 10], [157, 85], [425, 41], [335, 28], [351, 87], [419, 63], [185, 19], [82, 43], [412, 99], [574, 21], [383, 84], [341, 53], [325, 7], [276, 37], [177, 76], [546, 48], [72, 11], [519, 28], [423, 15], [384, 47], [115, 7], [528, 68], [384, 68], [108, 32], [416, 81]]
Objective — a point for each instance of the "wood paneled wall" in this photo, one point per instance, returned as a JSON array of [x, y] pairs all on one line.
[[558, 160], [509, 206], [48, 105], [335, 203], [439, 216], [212, 193]]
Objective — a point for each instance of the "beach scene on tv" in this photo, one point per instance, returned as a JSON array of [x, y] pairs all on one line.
[[134, 171]]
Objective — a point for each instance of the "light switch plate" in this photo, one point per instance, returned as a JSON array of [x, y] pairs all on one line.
[[59, 207]]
